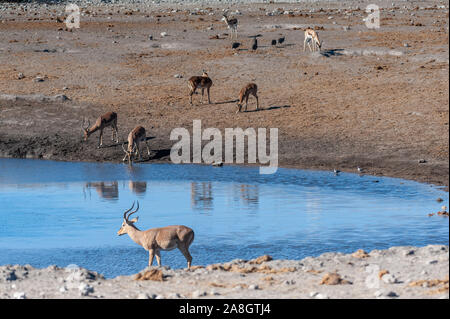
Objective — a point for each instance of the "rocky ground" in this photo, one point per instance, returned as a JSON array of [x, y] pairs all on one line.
[[372, 98], [398, 272]]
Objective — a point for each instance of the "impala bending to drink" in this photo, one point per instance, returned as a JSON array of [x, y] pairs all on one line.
[[136, 136], [106, 120]]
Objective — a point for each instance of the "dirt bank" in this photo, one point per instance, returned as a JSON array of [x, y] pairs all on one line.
[[374, 98], [398, 272]]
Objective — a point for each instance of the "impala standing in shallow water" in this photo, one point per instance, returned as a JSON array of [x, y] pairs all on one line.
[[107, 119], [156, 239]]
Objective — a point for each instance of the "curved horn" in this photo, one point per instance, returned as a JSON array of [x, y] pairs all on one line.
[[125, 214], [137, 208]]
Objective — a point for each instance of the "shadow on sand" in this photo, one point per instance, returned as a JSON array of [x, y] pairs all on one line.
[[331, 52]]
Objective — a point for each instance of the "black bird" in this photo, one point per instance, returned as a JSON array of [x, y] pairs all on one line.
[[274, 42], [281, 40], [255, 44], [235, 45]]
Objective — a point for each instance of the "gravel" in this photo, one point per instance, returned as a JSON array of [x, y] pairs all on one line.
[[404, 277]]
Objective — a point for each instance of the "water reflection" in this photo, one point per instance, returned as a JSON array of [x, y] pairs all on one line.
[[247, 195], [201, 196], [139, 188], [106, 190]]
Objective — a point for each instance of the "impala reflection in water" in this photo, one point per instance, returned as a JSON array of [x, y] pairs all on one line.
[[61, 213]]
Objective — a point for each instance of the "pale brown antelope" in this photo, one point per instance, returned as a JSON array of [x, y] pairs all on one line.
[[136, 136], [107, 119], [156, 239], [245, 92], [203, 82], [311, 36], [232, 24]]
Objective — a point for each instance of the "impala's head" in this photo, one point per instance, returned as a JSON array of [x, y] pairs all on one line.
[[204, 74], [85, 129], [319, 44], [128, 152], [126, 224]]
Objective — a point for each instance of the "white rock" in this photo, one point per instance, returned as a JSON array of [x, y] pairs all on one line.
[[63, 289], [163, 34], [389, 279], [85, 289], [198, 293], [322, 296], [146, 296], [173, 295], [253, 287], [378, 293], [19, 295]]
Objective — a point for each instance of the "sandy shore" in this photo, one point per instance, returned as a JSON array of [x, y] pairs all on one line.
[[398, 272], [375, 99]]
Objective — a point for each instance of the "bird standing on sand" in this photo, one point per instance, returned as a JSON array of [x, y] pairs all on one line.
[[281, 40], [235, 45], [255, 44], [336, 172], [360, 169]]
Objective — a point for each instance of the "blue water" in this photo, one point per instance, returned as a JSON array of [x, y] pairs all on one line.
[[60, 213]]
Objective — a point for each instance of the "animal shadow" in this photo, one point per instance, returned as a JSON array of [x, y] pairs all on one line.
[[268, 108], [226, 102], [331, 52]]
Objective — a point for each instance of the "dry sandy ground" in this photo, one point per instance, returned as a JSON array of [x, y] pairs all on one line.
[[399, 272], [372, 98]]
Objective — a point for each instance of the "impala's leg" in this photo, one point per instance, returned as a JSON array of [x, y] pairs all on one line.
[[186, 254], [257, 102], [158, 257], [309, 46], [148, 149], [138, 150], [203, 91], [246, 102], [117, 132], [209, 99], [151, 254], [304, 45], [191, 92]]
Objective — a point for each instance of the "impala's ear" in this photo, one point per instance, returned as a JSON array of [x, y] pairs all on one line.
[[135, 219]]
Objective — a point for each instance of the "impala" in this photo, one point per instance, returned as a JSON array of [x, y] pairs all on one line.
[[136, 136], [245, 92], [156, 239], [203, 82], [107, 119], [311, 36], [232, 24]]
